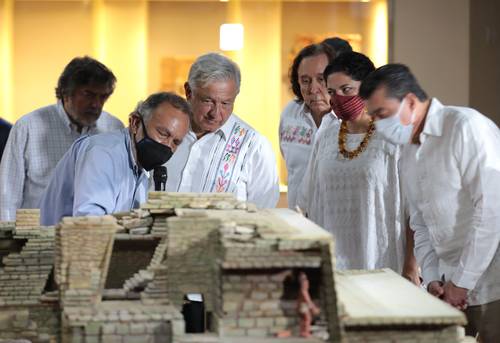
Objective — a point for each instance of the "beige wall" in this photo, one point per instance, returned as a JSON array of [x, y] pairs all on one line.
[[320, 18], [120, 41], [170, 35], [6, 43], [46, 36], [432, 37], [485, 58], [258, 102]]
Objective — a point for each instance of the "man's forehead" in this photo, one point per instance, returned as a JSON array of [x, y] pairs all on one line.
[[217, 87], [96, 88], [166, 112], [171, 119], [380, 102], [380, 93], [381, 97]]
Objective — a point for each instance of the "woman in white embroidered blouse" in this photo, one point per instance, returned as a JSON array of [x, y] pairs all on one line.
[[351, 186]]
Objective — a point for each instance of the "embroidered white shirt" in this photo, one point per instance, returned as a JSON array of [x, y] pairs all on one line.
[[297, 132], [234, 159], [358, 201], [452, 181], [36, 143]]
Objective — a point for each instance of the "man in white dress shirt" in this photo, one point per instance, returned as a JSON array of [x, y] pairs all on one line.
[[451, 172], [221, 153], [39, 139]]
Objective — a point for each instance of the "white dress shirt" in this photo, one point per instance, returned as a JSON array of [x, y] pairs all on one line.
[[234, 159], [297, 132], [36, 143], [452, 182], [358, 200]]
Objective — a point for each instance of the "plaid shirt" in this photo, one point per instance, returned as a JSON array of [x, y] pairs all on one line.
[[36, 143]]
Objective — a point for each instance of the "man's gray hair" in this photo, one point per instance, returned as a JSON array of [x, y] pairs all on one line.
[[213, 67], [145, 108]]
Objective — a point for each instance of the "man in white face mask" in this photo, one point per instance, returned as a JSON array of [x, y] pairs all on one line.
[[451, 179]]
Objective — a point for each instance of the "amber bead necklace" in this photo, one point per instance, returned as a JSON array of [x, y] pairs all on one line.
[[362, 146]]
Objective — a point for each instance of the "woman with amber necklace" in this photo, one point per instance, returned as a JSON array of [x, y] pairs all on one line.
[[351, 186]]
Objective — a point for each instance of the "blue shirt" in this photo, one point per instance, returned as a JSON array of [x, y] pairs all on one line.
[[98, 175]]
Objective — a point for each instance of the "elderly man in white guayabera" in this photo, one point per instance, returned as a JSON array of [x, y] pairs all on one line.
[[221, 153]]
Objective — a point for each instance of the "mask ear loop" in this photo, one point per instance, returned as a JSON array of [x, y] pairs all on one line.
[[412, 118], [400, 108], [398, 113], [143, 126]]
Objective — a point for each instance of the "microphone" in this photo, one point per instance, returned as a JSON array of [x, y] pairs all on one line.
[[160, 178]]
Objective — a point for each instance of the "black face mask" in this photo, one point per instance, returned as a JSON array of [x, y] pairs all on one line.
[[150, 153]]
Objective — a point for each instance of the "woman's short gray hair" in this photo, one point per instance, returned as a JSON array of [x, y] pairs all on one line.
[[213, 67]]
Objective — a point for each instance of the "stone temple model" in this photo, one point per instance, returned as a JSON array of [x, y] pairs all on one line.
[[143, 276]]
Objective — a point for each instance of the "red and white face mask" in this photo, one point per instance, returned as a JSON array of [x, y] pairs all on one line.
[[347, 107]]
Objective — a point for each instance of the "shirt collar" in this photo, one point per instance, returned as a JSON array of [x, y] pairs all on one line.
[[68, 123], [64, 116], [307, 113], [224, 131], [434, 120]]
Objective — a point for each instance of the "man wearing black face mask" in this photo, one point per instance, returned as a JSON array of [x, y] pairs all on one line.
[[109, 173]]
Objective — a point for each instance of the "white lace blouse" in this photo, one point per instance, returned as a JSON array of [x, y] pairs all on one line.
[[357, 200]]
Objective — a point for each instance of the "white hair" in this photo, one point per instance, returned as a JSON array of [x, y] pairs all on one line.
[[213, 67]]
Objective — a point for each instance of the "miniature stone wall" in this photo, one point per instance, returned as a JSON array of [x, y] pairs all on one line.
[[123, 322], [252, 304], [131, 253], [36, 323], [25, 274], [333, 310], [84, 246], [256, 251], [23, 314], [157, 289], [142, 278], [165, 202], [190, 258]]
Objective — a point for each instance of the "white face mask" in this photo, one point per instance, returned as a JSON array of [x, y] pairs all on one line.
[[393, 130]]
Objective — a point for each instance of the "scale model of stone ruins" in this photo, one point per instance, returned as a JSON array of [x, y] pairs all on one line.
[[131, 277]]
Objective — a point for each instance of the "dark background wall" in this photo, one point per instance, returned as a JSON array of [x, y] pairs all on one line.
[[453, 47], [484, 83]]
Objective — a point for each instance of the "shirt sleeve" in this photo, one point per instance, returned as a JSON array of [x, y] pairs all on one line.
[[96, 183], [116, 124], [280, 129], [424, 252], [13, 172], [306, 188], [263, 184], [423, 249], [476, 150]]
